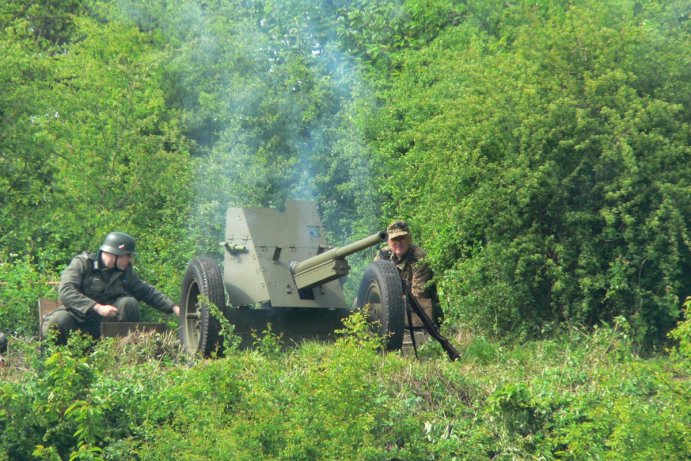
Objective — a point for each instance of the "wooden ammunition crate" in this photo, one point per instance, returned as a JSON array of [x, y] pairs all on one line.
[[108, 329]]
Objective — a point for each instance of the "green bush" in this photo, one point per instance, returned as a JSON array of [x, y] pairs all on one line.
[[574, 397], [21, 285], [538, 148], [559, 162], [682, 334]]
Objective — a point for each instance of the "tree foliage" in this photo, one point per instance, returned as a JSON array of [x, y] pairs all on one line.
[[539, 148], [559, 160], [265, 94]]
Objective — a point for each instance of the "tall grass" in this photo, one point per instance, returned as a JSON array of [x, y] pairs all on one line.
[[579, 396]]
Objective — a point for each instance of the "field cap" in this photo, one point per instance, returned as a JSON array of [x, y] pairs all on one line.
[[398, 229]]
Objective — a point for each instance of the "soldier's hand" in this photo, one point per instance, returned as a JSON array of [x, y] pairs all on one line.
[[176, 310], [106, 310]]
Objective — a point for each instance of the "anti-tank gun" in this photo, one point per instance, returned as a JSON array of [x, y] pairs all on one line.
[[278, 271]]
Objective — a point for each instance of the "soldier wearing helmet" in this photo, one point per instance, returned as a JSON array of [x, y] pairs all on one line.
[[102, 286], [410, 262]]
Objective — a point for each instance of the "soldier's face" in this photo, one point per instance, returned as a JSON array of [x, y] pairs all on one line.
[[400, 245], [110, 260]]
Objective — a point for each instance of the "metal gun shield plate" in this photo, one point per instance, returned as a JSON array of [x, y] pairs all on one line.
[[266, 242]]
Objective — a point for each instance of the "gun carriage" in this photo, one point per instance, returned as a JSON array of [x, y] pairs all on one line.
[[278, 271]]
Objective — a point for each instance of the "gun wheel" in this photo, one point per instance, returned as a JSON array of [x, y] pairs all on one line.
[[381, 289], [199, 329]]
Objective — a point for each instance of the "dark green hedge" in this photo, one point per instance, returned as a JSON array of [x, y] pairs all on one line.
[[540, 148]]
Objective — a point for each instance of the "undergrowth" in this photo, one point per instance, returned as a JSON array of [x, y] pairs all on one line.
[[579, 396]]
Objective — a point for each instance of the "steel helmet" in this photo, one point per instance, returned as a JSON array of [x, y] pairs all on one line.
[[118, 243]]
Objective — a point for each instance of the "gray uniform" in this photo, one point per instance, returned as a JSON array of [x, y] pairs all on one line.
[[87, 282]]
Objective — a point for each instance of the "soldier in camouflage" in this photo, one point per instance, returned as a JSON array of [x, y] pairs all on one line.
[[102, 286], [410, 262]]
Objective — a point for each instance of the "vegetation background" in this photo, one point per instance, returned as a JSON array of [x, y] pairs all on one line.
[[539, 149]]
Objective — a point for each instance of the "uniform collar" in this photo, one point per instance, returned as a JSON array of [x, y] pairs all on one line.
[[96, 261]]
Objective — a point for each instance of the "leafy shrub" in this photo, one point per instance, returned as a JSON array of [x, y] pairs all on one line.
[[73, 401], [682, 333], [579, 396], [560, 172], [21, 285]]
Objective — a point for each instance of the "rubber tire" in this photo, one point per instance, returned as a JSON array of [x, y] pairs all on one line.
[[199, 329], [381, 288]]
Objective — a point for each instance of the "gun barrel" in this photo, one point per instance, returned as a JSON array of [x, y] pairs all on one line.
[[331, 264]]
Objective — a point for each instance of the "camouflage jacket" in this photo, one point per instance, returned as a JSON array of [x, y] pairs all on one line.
[[86, 282], [413, 269]]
